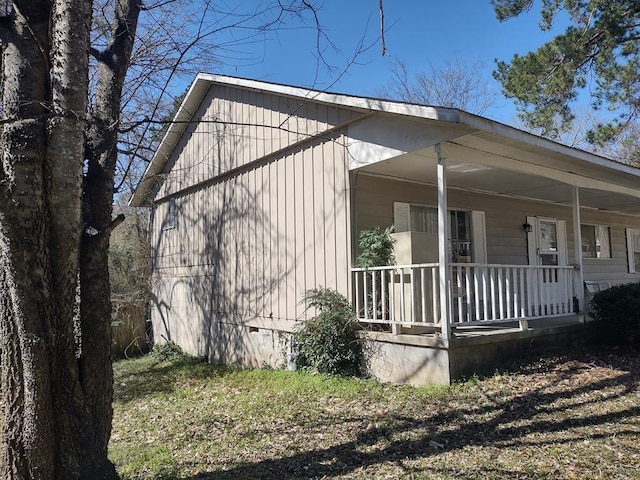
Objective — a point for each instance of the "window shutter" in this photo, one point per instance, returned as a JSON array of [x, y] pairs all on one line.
[[630, 250], [401, 216], [478, 237]]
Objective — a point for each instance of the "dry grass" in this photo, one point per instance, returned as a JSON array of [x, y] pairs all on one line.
[[572, 416]]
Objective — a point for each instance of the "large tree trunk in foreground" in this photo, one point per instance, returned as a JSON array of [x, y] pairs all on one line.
[[56, 398]]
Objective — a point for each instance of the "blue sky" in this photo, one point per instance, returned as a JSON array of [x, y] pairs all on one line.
[[418, 32]]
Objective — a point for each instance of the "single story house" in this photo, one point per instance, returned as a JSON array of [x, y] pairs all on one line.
[[258, 192]]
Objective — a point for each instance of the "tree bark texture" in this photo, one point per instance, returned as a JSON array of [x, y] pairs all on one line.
[[95, 291], [56, 401], [25, 276]]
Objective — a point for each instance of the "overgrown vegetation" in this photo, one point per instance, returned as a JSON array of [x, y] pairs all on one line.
[[569, 416], [130, 279], [170, 351], [376, 247], [616, 312], [331, 342]]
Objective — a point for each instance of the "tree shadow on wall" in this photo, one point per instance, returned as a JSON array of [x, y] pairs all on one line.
[[227, 276]]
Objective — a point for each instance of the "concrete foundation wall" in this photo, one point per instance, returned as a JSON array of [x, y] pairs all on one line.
[[413, 359], [422, 360]]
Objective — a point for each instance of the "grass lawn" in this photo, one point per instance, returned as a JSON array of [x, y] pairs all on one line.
[[571, 416]]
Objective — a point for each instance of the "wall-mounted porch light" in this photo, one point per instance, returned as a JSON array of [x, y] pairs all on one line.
[[527, 227]]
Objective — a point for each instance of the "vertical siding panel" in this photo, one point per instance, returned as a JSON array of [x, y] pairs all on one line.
[[245, 135], [237, 241], [319, 216], [215, 243], [261, 138], [208, 138], [276, 118], [246, 246], [330, 209], [343, 215], [270, 263], [221, 261], [215, 137], [250, 273], [235, 140], [323, 117], [299, 223], [259, 241], [239, 194], [224, 134], [281, 232], [284, 122], [197, 173], [255, 154], [309, 218], [289, 233], [211, 115], [232, 241], [225, 254], [239, 118], [266, 241]]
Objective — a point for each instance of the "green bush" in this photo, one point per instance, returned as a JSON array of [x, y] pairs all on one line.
[[332, 341], [616, 312], [168, 351], [376, 247]]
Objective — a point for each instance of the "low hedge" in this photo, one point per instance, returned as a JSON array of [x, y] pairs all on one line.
[[616, 312]]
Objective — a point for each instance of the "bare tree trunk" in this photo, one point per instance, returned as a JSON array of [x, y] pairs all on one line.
[[24, 277], [102, 135], [51, 429]]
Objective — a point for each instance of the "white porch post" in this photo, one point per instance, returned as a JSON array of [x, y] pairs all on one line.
[[443, 253], [577, 249]]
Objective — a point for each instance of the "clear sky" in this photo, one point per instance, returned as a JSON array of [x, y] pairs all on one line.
[[418, 32]]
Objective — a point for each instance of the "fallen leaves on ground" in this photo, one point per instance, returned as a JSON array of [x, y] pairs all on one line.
[[574, 415]]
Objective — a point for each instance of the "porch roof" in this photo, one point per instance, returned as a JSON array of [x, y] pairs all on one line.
[[485, 156]]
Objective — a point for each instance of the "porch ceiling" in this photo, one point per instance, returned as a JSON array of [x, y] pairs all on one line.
[[481, 162]]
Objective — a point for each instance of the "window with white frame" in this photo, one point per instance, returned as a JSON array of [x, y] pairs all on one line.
[[633, 249], [596, 241]]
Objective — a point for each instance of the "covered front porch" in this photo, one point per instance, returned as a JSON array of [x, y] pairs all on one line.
[[519, 199]]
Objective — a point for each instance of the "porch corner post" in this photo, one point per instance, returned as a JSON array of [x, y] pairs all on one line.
[[443, 242], [577, 249]]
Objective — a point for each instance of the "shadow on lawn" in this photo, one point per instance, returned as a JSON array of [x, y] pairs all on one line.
[[543, 412], [162, 376]]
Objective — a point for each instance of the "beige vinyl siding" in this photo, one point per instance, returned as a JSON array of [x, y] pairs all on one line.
[[247, 246], [615, 269], [234, 127], [504, 218]]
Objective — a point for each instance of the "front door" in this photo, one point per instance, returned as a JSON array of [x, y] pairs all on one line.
[[547, 248]]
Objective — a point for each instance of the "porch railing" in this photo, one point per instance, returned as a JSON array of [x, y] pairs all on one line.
[[477, 293]]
